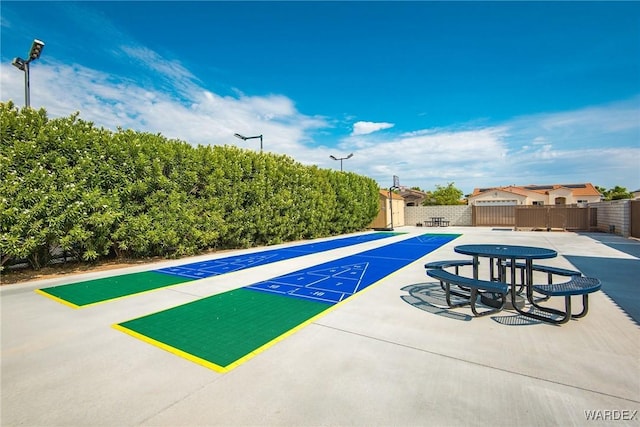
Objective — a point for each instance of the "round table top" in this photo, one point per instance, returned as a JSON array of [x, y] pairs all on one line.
[[506, 251]]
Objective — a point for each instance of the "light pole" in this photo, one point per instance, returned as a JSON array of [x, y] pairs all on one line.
[[237, 135], [23, 65], [341, 159]]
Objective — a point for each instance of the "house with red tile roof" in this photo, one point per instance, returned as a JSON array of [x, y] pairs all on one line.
[[555, 194], [412, 197]]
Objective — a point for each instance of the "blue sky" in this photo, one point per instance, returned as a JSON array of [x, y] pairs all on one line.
[[479, 94]]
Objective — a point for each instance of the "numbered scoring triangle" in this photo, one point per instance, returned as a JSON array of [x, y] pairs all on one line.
[[233, 264], [352, 270], [344, 278], [214, 267], [247, 261], [329, 284]]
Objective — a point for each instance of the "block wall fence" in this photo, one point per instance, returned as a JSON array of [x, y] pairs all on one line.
[[613, 216], [459, 215]]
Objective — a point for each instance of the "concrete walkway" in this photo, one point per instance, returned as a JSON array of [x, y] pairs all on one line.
[[386, 357]]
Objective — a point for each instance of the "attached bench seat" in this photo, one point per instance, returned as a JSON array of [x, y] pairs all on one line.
[[457, 263], [474, 285], [578, 285], [550, 270]]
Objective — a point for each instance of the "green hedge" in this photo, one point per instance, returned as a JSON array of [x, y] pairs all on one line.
[[67, 186]]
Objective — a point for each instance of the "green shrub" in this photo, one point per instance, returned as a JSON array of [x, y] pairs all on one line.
[[67, 186]]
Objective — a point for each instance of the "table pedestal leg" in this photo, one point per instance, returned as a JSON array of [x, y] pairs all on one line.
[[493, 300]]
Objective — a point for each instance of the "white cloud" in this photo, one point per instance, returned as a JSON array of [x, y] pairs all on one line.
[[597, 144], [150, 59], [365, 128], [602, 126], [616, 117], [427, 158], [195, 115], [171, 73]]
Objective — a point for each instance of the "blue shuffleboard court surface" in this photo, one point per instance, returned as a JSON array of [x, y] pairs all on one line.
[[203, 269], [337, 280]]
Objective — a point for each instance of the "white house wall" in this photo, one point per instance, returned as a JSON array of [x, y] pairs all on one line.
[[497, 198], [561, 193]]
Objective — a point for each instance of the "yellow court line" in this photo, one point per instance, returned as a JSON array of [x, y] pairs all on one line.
[[60, 300], [170, 349]]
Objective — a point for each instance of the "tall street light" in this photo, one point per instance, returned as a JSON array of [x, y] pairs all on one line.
[[341, 159], [23, 65], [237, 135]]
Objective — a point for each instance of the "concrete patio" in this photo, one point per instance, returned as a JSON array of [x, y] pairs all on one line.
[[389, 356]]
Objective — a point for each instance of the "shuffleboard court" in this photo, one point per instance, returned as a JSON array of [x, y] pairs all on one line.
[[90, 292], [224, 330], [337, 280], [200, 270]]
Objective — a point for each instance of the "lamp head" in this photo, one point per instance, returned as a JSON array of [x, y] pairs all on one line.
[[350, 156], [237, 135], [19, 63], [36, 49], [333, 157]]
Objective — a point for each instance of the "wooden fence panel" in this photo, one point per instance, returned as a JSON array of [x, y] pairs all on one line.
[[531, 217], [493, 215], [566, 217]]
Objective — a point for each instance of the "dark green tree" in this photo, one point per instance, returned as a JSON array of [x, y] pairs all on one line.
[[449, 195], [615, 193], [619, 193]]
